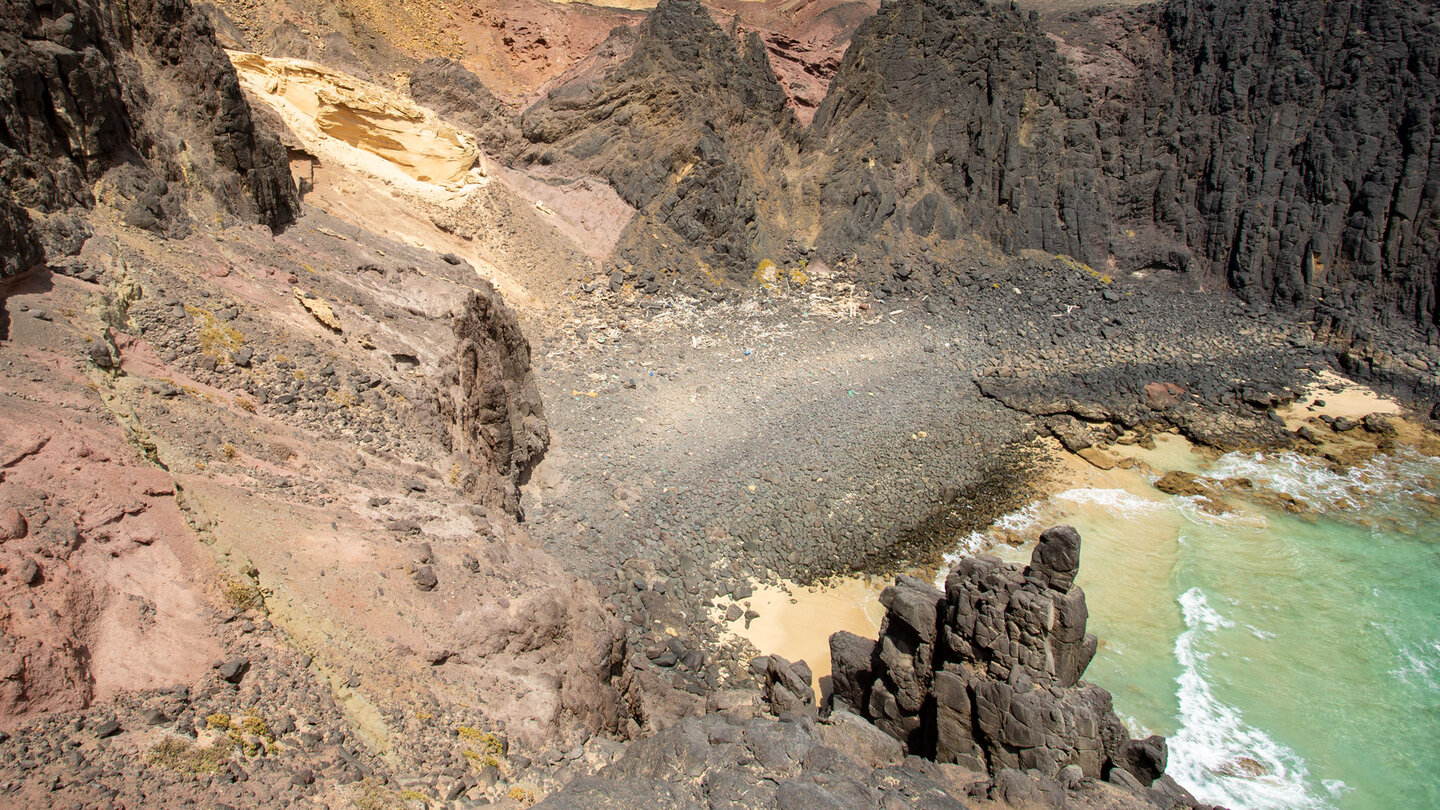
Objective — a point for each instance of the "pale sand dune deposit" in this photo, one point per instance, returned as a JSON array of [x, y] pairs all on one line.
[[337, 116]]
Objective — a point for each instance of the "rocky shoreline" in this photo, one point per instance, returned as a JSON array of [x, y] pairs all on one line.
[[970, 694], [841, 440]]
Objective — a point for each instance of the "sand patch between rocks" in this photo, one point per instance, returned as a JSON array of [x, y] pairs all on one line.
[[795, 621], [1351, 401]]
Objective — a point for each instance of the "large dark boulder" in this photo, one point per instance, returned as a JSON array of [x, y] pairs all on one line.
[[20, 247], [491, 401]]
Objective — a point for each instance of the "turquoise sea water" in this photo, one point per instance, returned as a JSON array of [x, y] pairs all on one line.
[[1292, 660]]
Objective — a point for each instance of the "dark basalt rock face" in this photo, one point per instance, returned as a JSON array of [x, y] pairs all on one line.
[[20, 247], [1287, 149], [728, 760], [1292, 148], [1284, 149], [687, 130], [139, 100], [980, 685], [492, 403], [987, 674], [446, 87], [955, 118]]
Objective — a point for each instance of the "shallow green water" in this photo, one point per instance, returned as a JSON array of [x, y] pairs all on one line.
[[1293, 661]]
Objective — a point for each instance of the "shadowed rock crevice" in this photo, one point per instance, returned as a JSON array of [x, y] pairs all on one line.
[[20, 247]]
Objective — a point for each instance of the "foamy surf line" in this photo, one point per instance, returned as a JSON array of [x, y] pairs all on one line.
[[977, 541], [1029, 519], [1117, 501], [1313, 482], [1215, 754]]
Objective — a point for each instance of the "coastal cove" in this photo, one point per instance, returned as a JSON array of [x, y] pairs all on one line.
[[1289, 649], [713, 404]]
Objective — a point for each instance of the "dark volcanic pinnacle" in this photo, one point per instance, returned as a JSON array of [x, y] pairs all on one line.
[[987, 674]]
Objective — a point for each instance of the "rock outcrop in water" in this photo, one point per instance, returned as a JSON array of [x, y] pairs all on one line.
[[987, 674], [973, 694], [134, 104]]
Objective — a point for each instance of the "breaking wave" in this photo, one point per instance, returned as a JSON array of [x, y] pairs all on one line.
[[1216, 754], [1315, 483], [1118, 501]]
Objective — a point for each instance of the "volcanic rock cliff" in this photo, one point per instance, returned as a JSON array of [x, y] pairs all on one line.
[[954, 118], [280, 516], [137, 105], [1292, 149], [686, 130], [211, 475], [1285, 149]]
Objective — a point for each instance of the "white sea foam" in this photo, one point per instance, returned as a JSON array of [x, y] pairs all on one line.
[[1118, 501], [1419, 665], [1020, 519], [1190, 507], [1313, 482], [1027, 520], [1336, 787], [1216, 754], [975, 542]]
